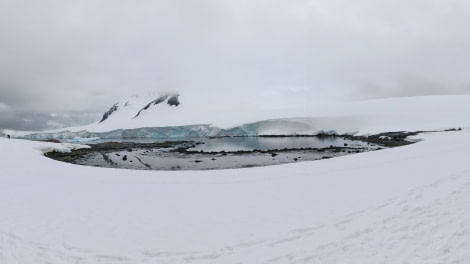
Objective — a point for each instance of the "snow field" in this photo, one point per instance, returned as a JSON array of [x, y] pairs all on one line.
[[401, 205]]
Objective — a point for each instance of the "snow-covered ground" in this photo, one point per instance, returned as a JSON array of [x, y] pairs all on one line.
[[400, 205]]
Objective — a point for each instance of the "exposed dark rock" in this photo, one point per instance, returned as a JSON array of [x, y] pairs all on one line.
[[113, 109], [52, 140], [388, 139], [159, 100], [172, 101]]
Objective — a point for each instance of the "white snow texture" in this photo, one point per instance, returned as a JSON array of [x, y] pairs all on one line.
[[399, 205]]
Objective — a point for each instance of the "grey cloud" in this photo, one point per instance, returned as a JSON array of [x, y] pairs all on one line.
[[33, 121], [82, 56]]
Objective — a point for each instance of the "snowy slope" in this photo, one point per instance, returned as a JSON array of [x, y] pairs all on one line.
[[138, 111], [400, 205], [403, 205]]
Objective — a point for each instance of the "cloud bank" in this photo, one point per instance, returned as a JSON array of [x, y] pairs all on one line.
[[74, 59]]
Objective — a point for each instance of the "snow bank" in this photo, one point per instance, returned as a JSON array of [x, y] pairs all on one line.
[[59, 147]]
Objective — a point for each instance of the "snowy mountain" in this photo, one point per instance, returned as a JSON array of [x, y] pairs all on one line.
[[165, 116], [132, 108]]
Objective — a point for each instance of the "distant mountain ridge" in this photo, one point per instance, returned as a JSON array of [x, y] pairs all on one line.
[[164, 116]]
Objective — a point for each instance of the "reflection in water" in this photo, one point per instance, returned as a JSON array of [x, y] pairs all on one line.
[[270, 143], [251, 143], [145, 164], [108, 160], [222, 153]]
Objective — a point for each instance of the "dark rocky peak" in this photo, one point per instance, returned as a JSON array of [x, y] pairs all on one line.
[[172, 100], [111, 110]]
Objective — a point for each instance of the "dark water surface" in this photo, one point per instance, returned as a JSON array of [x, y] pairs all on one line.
[[270, 143], [224, 153]]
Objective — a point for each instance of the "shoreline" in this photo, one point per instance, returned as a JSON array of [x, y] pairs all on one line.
[[177, 155]]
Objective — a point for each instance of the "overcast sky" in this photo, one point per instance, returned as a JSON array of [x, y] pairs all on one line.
[[66, 62]]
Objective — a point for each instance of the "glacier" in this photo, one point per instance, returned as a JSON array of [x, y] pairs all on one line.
[[284, 127], [194, 131]]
